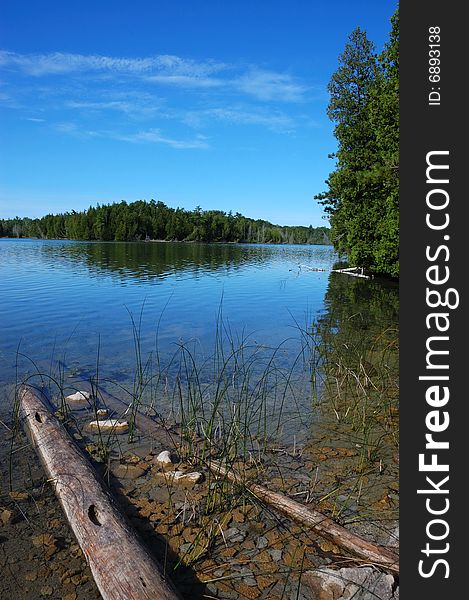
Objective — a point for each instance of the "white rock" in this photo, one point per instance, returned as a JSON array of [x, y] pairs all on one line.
[[193, 477], [109, 425], [180, 477], [164, 458], [78, 397], [101, 412]]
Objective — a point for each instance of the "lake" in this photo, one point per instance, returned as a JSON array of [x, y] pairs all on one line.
[[101, 305]]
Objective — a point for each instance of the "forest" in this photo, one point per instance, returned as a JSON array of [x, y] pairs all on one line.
[[154, 220], [362, 199]]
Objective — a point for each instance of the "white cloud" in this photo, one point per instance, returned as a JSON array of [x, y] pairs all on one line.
[[275, 121], [269, 85], [163, 69], [150, 136], [154, 136], [187, 81], [61, 63]]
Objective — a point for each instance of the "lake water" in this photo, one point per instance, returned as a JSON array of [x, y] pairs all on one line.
[[78, 301]]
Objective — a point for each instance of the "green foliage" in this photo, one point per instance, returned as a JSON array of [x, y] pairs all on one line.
[[362, 199], [155, 221]]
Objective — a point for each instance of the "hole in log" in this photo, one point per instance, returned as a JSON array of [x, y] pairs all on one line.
[[38, 417], [93, 515], [143, 583]]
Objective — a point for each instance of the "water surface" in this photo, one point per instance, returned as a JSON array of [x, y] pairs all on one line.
[[82, 302], [73, 297]]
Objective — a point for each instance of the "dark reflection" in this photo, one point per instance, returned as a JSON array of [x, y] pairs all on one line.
[[360, 305], [358, 334], [158, 260]]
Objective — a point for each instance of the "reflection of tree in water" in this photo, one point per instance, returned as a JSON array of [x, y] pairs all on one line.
[[358, 347], [156, 259], [359, 311], [356, 435]]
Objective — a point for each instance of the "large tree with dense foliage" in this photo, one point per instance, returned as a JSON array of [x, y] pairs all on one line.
[[363, 194]]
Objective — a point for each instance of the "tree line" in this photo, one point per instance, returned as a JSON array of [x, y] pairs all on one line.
[[153, 220], [362, 198]]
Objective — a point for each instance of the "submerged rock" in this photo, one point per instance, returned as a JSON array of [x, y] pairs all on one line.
[[5, 516], [180, 477], [359, 583], [78, 397], [109, 425], [126, 471]]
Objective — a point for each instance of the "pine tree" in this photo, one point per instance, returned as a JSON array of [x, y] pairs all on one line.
[[362, 196]]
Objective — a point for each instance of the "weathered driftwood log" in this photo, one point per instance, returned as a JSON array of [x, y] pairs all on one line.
[[322, 525], [353, 271], [122, 568]]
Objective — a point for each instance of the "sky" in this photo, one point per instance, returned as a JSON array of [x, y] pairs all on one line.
[[211, 103]]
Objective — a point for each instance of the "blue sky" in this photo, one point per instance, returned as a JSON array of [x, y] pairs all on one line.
[[214, 103]]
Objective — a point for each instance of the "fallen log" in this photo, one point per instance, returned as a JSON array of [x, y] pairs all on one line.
[[322, 525], [353, 271], [121, 566]]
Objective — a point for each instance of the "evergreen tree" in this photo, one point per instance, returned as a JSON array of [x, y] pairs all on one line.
[[362, 196]]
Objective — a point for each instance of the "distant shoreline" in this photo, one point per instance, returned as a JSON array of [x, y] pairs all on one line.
[[167, 241]]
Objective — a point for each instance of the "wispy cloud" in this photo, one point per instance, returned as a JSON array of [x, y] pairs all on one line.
[[131, 107], [269, 85], [187, 81], [165, 69], [149, 136], [273, 120], [62, 63], [97, 96], [154, 136]]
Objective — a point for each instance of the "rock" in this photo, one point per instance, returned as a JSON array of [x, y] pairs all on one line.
[[128, 471], [394, 538], [191, 478], [276, 555], [78, 397], [102, 412], [43, 539], [14, 495], [359, 583], [248, 592], [262, 542], [5, 516], [234, 535], [113, 425], [165, 458], [180, 477]]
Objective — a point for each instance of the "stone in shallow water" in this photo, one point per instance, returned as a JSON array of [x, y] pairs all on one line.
[[180, 477], [113, 425], [128, 471], [78, 397], [276, 555], [359, 583], [165, 458]]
